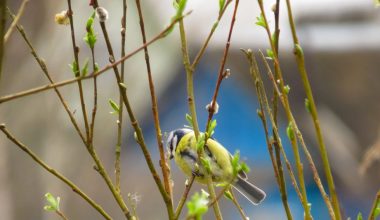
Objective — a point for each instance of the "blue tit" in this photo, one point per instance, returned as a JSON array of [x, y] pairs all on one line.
[[182, 144]]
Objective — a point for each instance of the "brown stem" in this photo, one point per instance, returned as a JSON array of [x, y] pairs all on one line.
[[161, 35], [76, 58], [3, 19], [182, 201], [121, 107], [15, 20], [163, 163], [75, 188], [45, 70]]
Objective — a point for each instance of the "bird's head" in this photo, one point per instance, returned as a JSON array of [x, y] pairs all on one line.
[[173, 140]]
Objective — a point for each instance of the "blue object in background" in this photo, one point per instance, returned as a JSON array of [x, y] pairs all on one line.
[[239, 128]]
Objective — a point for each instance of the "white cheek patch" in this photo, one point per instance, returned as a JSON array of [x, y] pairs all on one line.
[[174, 143]]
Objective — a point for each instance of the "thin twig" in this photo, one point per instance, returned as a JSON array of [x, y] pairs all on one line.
[[13, 96], [95, 107], [261, 94], [61, 215], [314, 114], [211, 110], [376, 202], [300, 138], [121, 107], [163, 162], [182, 201], [238, 206], [122, 89], [293, 141], [205, 44], [15, 20], [75, 188], [3, 19], [44, 69], [76, 58]]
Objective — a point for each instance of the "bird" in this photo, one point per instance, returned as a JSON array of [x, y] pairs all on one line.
[[182, 146]]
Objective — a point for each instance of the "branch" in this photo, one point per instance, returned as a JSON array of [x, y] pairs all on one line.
[[91, 75], [75, 188], [163, 162], [15, 20], [314, 114]]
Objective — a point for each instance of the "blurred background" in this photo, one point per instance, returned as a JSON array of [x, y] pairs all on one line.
[[342, 47]]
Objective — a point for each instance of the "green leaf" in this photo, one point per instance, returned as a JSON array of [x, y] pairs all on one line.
[[360, 216], [260, 21], [287, 89], [90, 21], [270, 54], [211, 128], [290, 132], [206, 164], [198, 205], [228, 195], [175, 4], [376, 212], [115, 106], [377, 3], [85, 68], [307, 105], [189, 120], [90, 37], [53, 203], [221, 5], [74, 68], [245, 167], [96, 67]]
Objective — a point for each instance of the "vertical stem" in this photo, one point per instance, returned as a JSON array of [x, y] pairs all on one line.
[[189, 78], [164, 165], [294, 144], [121, 107], [94, 109], [3, 19], [309, 94], [76, 58]]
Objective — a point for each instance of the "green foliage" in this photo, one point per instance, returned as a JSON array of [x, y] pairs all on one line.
[[189, 120], [90, 37], [307, 105], [228, 195], [377, 210], [211, 128], [85, 68], [270, 54], [290, 132], [53, 203], [260, 21], [287, 89], [198, 205], [114, 106], [201, 141], [238, 166], [359, 217], [206, 164], [221, 5], [74, 68]]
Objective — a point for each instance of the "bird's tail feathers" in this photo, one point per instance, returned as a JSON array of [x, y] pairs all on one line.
[[251, 192]]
